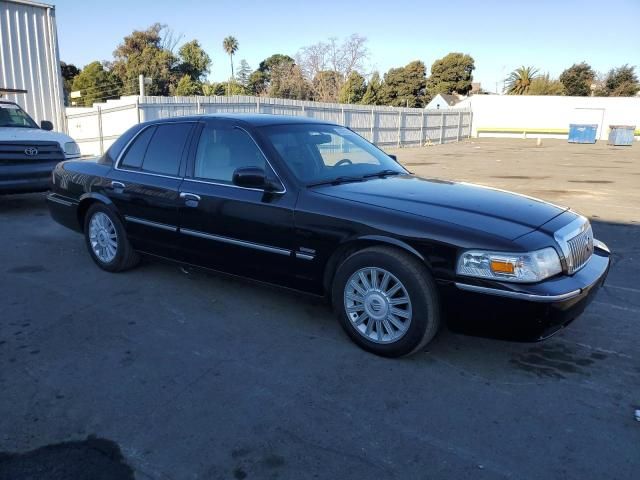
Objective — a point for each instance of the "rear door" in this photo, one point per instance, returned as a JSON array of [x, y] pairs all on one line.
[[145, 186], [241, 230]]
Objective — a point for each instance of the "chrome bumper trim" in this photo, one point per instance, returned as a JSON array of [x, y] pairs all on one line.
[[518, 295]]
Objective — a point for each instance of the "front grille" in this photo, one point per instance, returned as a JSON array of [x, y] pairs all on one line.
[[15, 153], [580, 250]]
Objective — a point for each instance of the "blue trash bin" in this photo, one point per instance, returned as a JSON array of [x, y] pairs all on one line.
[[621, 135], [582, 133]]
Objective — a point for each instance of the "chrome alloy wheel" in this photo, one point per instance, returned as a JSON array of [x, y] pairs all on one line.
[[103, 237], [378, 305]]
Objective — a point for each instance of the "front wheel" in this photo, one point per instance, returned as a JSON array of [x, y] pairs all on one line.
[[386, 301], [107, 240]]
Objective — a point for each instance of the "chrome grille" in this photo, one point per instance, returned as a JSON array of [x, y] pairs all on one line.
[[576, 242], [581, 249], [15, 153]]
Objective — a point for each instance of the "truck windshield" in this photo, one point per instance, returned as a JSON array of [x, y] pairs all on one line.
[[12, 115]]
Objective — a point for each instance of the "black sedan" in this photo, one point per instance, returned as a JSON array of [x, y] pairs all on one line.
[[313, 206]]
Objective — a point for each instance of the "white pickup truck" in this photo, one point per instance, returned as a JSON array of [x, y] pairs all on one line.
[[28, 152]]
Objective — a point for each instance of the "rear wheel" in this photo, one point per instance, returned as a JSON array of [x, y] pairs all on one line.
[[386, 301], [107, 240]]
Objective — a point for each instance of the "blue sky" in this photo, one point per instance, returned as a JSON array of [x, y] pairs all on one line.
[[500, 35]]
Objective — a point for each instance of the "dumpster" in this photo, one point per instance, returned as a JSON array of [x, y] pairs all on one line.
[[621, 134], [582, 133]]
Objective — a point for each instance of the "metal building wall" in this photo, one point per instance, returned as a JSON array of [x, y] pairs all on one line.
[[29, 59]]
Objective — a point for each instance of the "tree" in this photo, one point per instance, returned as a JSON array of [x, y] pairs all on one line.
[[259, 80], [194, 61], [287, 81], [230, 45], [372, 94], [353, 89], [69, 71], [451, 74], [326, 85], [619, 82], [142, 52], [577, 79], [187, 87], [95, 84], [243, 73], [341, 57], [405, 86], [519, 81], [544, 85]]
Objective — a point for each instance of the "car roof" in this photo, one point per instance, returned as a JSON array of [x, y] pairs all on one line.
[[250, 119]]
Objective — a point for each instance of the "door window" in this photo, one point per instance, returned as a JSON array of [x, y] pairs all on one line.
[[222, 150], [165, 149], [135, 154]]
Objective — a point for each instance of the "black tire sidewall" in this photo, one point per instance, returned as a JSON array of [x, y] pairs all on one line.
[[421, 292], [121, 250]]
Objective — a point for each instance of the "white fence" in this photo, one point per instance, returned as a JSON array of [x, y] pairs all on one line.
[[96, 128]]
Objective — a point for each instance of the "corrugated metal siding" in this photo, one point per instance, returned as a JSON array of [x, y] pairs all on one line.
[[29, 59]]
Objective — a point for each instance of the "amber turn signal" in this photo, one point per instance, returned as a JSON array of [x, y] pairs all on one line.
[[502, 266]]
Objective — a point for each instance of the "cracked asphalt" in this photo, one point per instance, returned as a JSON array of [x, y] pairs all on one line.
[[177, 375]]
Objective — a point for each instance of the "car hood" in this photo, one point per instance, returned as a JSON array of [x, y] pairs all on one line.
[[32, 134], [501, 213]]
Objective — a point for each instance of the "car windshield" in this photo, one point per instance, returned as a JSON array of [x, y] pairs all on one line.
[[13, 116], [327, 153]]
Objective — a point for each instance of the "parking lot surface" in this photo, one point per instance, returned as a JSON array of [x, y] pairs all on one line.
[[187, 375]]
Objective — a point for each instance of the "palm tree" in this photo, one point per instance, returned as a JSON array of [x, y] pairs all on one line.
[[519, 81], [230, 45]]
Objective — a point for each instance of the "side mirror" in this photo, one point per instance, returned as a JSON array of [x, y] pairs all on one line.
[[249, 177], [393, 157], [46, 125]]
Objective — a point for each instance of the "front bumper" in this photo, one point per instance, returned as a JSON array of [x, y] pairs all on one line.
[[524, 311], [29, 177]]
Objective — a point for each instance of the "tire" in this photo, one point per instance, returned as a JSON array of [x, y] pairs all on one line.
[[107, 240], [395, 337]]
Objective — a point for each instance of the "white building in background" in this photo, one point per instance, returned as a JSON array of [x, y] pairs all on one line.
[[30, 61], [444, 101]]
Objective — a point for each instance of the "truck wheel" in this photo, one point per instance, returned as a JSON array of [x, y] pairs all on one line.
[[386, 301], [107, 240]]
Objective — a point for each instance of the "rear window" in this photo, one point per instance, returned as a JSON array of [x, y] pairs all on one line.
[[158, 149]]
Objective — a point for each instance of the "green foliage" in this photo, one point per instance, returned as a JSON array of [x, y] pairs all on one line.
[[451, 74], [194, 61], [577, 79], [544, 85], [96, 84], [69, 71], [287, 81], [353, 89], [519, 81], [372, 93], [243, 73], [405, 86], [620, 82], [259, 80], [326, 85], [141, 52], [187, 87]]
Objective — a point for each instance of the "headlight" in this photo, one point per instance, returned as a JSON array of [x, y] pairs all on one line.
[[510, 267], [71, 149]]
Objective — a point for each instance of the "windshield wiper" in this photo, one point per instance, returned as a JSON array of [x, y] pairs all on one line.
[[336, 181], [383, 173]]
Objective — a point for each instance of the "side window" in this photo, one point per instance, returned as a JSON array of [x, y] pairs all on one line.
[[165, 149], [221, 150], [135, 154]]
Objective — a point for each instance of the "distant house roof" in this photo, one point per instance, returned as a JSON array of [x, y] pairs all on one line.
[[450, 99]]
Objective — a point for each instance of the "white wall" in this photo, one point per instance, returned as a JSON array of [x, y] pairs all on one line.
[[550, 112]]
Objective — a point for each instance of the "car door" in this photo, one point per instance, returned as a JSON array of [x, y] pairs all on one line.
[[145, 186], [240, 230]]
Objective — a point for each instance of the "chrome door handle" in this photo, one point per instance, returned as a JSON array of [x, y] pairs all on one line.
[[190, 196], [190, 199], [119, 185]]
